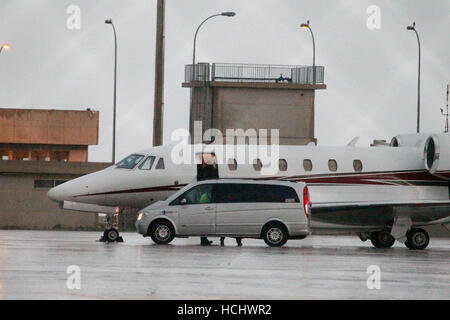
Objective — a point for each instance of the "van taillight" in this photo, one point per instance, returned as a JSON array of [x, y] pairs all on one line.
[[306, 201]]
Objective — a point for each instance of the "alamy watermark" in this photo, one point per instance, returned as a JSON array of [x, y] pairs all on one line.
[[73, 21], [73, 281], [374, 19], [374, 279], [239, 146]]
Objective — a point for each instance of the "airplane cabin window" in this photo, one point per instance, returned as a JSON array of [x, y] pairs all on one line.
[[257, 165], [282, 165], [307, 165], [160, 165], [332, 165], [232, 164], [357, 165], [148, 163], [130, 162]]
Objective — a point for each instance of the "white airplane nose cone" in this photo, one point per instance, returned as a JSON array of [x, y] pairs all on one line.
[[56, 194]]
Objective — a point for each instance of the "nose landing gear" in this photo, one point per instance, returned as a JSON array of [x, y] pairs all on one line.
[[111, 233]]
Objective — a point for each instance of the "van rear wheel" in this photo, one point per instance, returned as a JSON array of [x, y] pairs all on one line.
[[275, 234], [162, 232]]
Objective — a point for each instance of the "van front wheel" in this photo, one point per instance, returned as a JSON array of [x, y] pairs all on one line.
[[162, 232], [275, 234]]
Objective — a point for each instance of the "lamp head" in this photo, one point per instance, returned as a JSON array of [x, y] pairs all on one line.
[[228, 14], [6, 46], [305, 25], [413, 27], [109, 21]]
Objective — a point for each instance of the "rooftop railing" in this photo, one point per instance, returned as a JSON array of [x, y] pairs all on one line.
[[254, 73]]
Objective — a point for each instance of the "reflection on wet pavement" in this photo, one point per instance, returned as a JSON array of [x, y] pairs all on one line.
[[33, 265]]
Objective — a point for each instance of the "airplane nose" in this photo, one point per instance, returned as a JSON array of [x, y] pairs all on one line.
[[56, 194]]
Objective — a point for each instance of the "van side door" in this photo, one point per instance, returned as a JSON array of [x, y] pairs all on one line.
[[243, 209], [196, 211], [237, 214]]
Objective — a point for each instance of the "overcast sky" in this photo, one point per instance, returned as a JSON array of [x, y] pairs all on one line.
[[371, 74]]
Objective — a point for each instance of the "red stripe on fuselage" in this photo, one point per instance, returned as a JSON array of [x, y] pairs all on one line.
[[382, 178], [142, 190]]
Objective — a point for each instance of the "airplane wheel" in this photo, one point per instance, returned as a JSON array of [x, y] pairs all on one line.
[[382, 239], [417, 239], [111, 235]]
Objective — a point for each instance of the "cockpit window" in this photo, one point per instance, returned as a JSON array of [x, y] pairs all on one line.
[[148, 163], [130, 162], [160, 165]]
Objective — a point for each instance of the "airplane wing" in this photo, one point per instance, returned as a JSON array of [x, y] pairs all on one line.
[[381, 213]]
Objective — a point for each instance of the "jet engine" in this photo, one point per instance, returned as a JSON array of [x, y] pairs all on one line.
[[437, 155], [410, 140]]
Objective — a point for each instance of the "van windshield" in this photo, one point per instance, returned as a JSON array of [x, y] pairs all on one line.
[[130, 162]]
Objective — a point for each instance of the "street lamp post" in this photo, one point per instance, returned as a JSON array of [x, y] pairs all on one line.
[[193, 73], [413, 28], [4, 46], [307, 26], [109, 21]]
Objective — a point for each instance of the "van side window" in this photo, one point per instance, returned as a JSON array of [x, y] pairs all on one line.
[[257, 165], [160, 165], [248, 193], [357, 165], [307, 165], [232, 164], [332, 165], [201, 194], [147, 164], [283, 165]]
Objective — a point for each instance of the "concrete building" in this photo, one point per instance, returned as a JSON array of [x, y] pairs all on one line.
[[49, 135], [240, 96], [40, 149]]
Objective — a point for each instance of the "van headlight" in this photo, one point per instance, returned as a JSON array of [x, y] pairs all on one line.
[[141, 215]]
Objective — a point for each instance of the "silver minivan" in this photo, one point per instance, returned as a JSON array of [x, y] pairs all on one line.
[[271, 210]]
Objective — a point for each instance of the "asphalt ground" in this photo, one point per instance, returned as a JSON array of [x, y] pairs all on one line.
[[72, 265]]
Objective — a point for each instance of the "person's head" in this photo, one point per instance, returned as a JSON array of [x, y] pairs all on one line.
[[203, 189]]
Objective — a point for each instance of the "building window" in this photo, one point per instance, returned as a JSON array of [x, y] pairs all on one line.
[[257, 165], [332, 165], [307, 165], [282, 165], [44, 184], [160, 165], [357, 165], [58, 182], [232, 164]]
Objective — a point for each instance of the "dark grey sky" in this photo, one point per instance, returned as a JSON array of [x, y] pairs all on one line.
[[371, 74]]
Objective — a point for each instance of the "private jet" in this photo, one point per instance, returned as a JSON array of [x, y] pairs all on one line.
[[384, 193]]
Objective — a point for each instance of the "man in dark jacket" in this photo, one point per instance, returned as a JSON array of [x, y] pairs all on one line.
[[206, 172]]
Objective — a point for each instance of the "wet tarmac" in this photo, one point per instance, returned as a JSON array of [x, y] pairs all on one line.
[[34, 265]]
